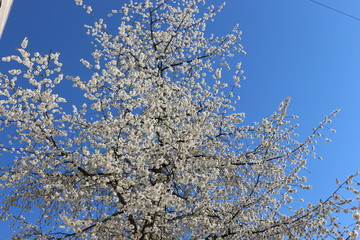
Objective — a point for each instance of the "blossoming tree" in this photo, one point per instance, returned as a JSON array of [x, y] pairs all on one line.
[[157, 149]]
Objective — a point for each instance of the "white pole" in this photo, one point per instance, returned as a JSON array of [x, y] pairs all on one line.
[[5, 7]]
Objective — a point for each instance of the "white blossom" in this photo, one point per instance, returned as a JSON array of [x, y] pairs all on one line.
[[24, 43], [356, 216], [79, 2], [218, 73], [353, 234]]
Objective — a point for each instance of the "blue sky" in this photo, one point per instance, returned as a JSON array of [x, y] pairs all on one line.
[[294, 48]]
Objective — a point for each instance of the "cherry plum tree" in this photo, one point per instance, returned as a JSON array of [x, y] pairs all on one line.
[[155, 149]]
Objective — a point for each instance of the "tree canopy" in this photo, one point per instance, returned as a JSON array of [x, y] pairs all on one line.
[[157, 148]]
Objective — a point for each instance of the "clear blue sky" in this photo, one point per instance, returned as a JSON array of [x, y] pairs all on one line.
[[294, 48]]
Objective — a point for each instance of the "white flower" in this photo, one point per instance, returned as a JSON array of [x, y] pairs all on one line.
[[356, 216], [89, 9], [15, 71], [78, 2], [335, 112], [218, 73], [24, 43], [86, 151], [59, 78], [6, 59], [238, 66], [353, 234]]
